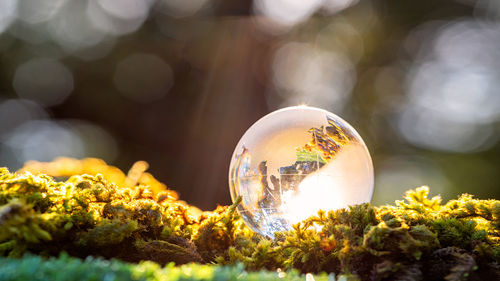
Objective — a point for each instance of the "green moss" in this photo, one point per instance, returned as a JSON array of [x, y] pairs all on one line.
[[66, 268], [418, 238]]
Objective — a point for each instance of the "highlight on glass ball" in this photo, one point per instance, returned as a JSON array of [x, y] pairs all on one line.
[[294, 162]]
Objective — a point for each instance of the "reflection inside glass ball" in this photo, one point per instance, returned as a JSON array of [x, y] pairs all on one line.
[[294, 162]]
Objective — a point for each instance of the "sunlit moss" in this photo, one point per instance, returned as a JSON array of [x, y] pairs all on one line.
[[90, 214]]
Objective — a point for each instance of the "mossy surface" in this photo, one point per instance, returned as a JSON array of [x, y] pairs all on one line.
[[65, 268], [97, 210]]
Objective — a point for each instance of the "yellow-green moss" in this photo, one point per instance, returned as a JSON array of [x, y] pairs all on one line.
[[102, 214]]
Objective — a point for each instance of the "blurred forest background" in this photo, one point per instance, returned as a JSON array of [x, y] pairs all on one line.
[[177, 83]]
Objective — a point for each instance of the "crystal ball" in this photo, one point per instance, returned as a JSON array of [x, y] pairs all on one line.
[[294, 162]]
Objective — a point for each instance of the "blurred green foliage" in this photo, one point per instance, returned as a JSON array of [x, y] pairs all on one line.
[[66, 268]]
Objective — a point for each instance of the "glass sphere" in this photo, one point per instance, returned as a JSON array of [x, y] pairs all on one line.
[[294, 162]]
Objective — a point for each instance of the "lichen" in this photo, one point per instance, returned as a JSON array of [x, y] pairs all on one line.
[[95, 209]]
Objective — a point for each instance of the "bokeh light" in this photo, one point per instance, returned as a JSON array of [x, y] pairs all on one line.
[[286, 12], [395, 175], [279, 16], [143, 77], [15, 112], [333, 6], [46, 81], [176, 82], [36, 12], [305, 74], [343, 37], [30, 33], [453, 100], [73, 29], [44, 140], [180, 8], [8, 12], [118, 17], [97, 142]]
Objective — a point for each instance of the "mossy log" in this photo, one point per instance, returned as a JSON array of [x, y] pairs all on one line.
[[92, 209]]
